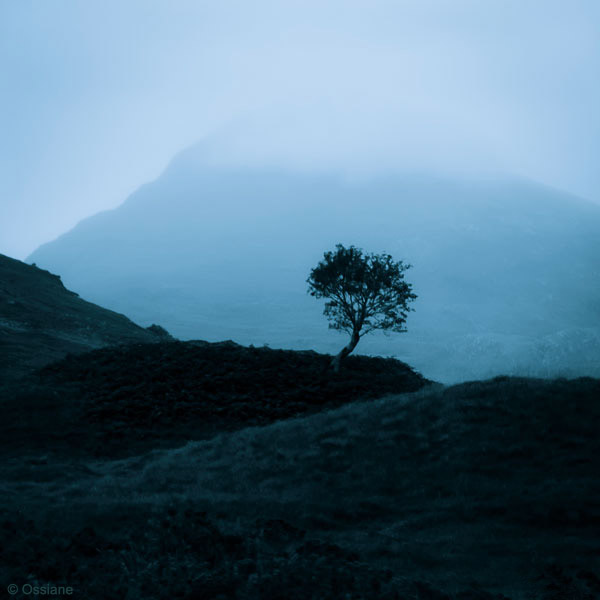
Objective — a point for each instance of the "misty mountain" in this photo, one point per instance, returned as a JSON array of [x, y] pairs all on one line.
[[42, 321], [506, 270]]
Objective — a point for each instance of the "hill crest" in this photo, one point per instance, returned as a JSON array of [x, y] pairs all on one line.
[[42, 321]]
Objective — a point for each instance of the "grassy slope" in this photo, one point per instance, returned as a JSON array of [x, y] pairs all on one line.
[[478, 491], [42, 321]]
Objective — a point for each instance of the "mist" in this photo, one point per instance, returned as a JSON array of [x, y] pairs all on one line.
[[300, 299], [97, 97], [501, 266]]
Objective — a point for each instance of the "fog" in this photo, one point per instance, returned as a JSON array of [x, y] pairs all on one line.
[[97, 97], [505, 269]]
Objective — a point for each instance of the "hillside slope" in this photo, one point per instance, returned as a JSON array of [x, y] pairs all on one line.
[[505, 270], [482, 491], [42, 321]]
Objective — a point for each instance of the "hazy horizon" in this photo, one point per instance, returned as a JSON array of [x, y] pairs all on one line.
[[98, 97]]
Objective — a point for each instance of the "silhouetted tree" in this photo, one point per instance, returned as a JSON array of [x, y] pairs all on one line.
[[365, 292]]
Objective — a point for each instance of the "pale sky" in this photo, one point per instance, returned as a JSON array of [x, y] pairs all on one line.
[[97, 96]]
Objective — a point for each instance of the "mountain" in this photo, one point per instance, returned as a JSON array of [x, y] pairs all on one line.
[[506, 270], [42, 321]]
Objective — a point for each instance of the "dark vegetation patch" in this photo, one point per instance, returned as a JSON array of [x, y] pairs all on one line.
[[175, 551], [124, 399], [179, 552]]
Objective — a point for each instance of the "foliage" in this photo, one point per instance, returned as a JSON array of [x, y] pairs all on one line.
[[365, 291]]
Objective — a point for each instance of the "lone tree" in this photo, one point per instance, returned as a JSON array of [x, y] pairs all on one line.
[[365, 291]]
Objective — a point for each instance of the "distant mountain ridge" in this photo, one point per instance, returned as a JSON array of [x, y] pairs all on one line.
[[42, 321], [506, 270]]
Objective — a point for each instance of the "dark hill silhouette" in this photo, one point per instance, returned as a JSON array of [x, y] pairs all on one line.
[[293, 483], [505, 270], [41, 321], [122, 400]]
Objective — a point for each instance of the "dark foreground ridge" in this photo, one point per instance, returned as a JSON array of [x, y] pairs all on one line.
[[126, 399], [481, 491]]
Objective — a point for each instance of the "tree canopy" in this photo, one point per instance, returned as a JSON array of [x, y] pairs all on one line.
[[365, 292]]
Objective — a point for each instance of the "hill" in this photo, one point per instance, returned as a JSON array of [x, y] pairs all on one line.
[[505, 269], [42, 321], [123, 400], [481, 491]]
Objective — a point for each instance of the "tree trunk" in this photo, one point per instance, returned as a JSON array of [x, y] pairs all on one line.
[[337, 360]]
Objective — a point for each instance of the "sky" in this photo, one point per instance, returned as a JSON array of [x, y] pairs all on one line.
[[97, 96]]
